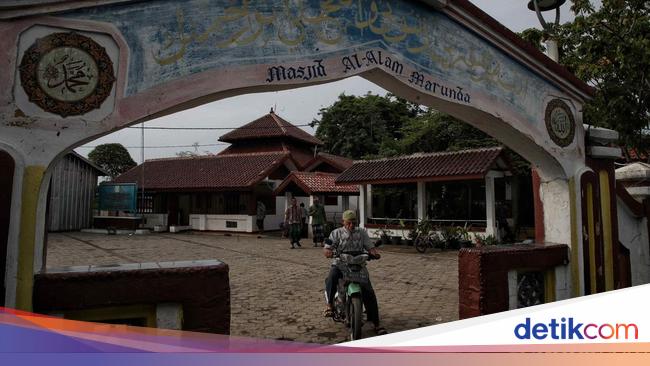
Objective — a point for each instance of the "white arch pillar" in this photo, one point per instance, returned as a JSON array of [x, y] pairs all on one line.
[[363, 205], [26, 236], [490, 207], [345, 203], [310, 232], [422, 201]]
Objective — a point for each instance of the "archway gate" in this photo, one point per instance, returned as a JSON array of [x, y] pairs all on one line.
[[75, 72]]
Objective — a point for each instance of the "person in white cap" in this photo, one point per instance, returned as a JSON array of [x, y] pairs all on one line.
[[350, 238]]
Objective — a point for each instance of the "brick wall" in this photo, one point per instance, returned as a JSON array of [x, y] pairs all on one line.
[[201, 287], [483, 273]]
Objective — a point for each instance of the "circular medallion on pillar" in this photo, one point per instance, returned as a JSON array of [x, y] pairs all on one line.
[[560, 123], [67, 74]]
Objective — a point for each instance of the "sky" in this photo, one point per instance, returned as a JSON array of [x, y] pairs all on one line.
[[298, 106]]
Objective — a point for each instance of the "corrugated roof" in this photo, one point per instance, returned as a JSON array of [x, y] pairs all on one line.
[[220, 172], [269, 125], [442, 166], [99, 169], [316, 183]]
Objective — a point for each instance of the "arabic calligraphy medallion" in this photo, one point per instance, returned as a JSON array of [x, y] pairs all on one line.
[[67, 74], [560, 123]]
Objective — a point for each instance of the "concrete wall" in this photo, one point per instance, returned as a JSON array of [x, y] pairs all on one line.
[[248, 224], [335, 212], [272, 222], [202, 288], [243, 223], [485, 275], [633, 234], [153, 220]]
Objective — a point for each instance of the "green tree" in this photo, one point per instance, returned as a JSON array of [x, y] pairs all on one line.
[[535, 37], [608, 47], [373, 126], [113, 158], [434, 131], [366, 126]]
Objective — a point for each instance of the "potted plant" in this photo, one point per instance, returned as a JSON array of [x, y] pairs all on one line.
[[483, 240], [384, 235], [396, 240], [437, 240], [449, 238], [463, 237], [408, 233], [410, 236]]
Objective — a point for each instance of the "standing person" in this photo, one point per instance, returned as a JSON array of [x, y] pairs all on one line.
[[317, 213], [293, 220], [261, 214], [305, 215]]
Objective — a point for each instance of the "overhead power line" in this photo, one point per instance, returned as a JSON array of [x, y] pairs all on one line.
[[158, 147], [218, 128]]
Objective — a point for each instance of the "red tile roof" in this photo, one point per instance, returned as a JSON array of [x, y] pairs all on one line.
[[316, 183], [632, 154], [300, 156], [466, 164], [339, 162], [254, 147], [270, 125], [220, 172]]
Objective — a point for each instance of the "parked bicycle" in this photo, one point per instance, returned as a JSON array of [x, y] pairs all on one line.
[[425, 241], [425, 237]]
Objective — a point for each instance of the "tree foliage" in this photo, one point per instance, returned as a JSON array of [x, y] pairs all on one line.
[[366, 126], [608, 47], [535, 37], [374, 126], [113, 158], [434, 131]]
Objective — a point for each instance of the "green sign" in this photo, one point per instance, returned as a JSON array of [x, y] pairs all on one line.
[[118, 197]]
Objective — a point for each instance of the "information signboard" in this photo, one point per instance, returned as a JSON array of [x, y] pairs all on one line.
[[118, 197]]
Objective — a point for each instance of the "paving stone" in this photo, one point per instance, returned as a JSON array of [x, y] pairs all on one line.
[[278, 292]]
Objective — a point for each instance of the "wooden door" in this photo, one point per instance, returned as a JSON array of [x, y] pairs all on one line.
[[172, 209]]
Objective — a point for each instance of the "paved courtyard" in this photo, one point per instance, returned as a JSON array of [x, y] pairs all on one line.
[[278, 292]]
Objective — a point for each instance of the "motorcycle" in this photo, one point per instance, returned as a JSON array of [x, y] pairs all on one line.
[[348, 300]]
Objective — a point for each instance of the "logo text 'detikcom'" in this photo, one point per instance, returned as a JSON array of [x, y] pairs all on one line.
[[569, 328]]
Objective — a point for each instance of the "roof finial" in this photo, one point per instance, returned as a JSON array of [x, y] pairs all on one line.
[[271, 109]]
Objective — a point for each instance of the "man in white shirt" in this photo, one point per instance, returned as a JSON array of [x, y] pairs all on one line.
[[351, 238]]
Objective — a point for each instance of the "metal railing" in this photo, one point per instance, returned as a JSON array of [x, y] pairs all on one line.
[[434, 222]]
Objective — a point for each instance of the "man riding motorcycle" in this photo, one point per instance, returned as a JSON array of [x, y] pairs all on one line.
[[350, 238]]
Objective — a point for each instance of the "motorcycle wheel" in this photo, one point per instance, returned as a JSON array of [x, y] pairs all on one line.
[[421, 244], [356, 313]]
